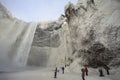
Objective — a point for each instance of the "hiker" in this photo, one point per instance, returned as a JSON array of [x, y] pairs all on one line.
[[83, 74], [107, 69], [101, 72], [55, 73], [63, 70], [86, 70]]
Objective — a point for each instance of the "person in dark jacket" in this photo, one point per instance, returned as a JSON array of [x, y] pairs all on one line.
[[55, 73], [107, 69], [86, 70], [63, 69], [83, 74], [101, 72]]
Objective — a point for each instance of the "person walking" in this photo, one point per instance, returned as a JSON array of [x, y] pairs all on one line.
[[55, 73], [86, 70], [63, 70], [83, 74], [101, 72], [107, 69]]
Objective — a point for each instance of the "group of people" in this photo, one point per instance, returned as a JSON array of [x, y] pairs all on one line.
[[85, 71], [56, 70], [101, 70]]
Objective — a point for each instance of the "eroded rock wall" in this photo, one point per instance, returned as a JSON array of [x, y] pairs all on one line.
[[50, 42], [94, 28]]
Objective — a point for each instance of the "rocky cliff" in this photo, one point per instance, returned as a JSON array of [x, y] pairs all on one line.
[[49, 47], [95, 29], [88, 35]]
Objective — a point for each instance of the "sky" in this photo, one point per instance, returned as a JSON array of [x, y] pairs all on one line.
[[36, 10]]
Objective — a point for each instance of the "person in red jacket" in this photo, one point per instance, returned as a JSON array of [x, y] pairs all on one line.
[[86, 70]]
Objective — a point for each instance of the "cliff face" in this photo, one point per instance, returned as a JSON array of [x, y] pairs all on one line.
[[15, 39], [49, 47], [95, 31], [44, 40], [88, 35]]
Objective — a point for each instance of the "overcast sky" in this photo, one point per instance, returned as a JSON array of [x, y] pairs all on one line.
[[36, 10]]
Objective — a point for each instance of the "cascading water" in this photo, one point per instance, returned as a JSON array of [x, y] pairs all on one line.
[[15, 39]]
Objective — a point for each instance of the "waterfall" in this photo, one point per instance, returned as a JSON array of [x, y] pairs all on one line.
[[16, 37]]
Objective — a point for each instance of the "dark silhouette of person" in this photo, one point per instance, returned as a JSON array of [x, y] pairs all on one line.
[[55, 73], [101, 72], [86, 70], [83, 74], [107, 69], [63, 70]]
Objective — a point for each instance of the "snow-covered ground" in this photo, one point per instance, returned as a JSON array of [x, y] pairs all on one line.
[[47, 74]]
